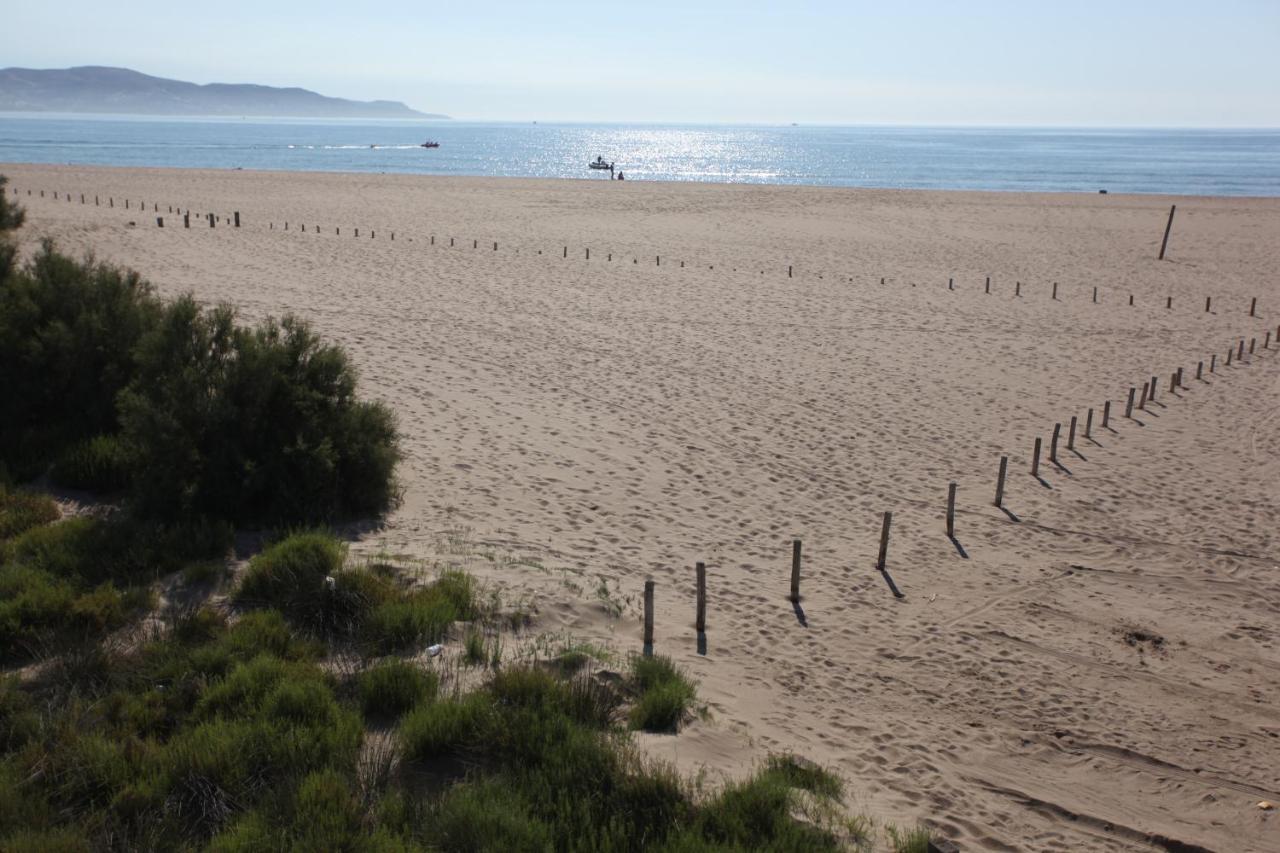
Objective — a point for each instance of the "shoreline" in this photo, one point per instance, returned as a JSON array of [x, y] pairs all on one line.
[[8, 166]]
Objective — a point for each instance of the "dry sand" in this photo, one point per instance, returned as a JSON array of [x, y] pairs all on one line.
[[610, 420]]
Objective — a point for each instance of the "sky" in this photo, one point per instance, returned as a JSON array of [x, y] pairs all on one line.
[[1121, 63]]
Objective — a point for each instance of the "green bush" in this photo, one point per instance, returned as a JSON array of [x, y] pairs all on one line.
[[253, 425], [485, 816], [98, 464], [11, 215], [21, 511], [91, 551], [393, 687], [69, 331], [290, 575], [665, 694], [444, 727]]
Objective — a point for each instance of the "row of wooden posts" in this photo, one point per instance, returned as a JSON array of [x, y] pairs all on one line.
[[1149, 390], [657, 259]]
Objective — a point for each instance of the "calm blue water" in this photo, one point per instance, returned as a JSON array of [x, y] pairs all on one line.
[[1204, 162]]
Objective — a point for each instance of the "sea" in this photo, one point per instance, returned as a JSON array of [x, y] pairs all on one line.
[[1192, 162]]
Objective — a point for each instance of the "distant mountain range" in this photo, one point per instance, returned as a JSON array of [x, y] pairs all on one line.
[[98, 89]]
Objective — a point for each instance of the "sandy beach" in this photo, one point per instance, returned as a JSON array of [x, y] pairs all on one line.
[[1093, 667]]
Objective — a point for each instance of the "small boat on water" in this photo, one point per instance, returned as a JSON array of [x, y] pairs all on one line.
[[430, 144], [599, 163]]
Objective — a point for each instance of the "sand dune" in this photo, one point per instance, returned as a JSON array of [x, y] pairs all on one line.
[[1096, 668]]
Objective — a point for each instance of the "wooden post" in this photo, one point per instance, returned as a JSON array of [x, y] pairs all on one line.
[[1253, 307], [1173, 382], [566, 251], [1055, 290], [884, 541], [788, 270], [1240, 354], [1004, 469], [1207, 300], [211, 225], [1053, 443], [951, 284], [988, 284], [588, 254], [186, 219], [1142, 403], [951, 510], [1169, 303], [1230, 352], [1088, 424], [1164, 244], [1252, 343], [1095, 294], [159, 221], [1266, 342], [1199, 370], [648, 617], [795, 569], [701, 623], [1035, 460], [657, 261], [95, 202], [1071, 434], [1152, 396], [1213, 363], [1017, 288], [1128, 408], [1106, 413], [1130, 300]]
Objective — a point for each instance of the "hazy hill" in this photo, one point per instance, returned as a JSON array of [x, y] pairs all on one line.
[[97, 89]]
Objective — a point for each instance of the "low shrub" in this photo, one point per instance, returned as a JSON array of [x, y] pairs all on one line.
[[21, 511], [290, 575], [665, 694], [90, 551], [488, 815], [445, 727], [98, 464], [393, 687]]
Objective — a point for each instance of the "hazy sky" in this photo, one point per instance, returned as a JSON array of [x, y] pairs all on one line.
[[1120, 62]]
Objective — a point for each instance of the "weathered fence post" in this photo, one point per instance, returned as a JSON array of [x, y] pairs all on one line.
[[186, 219], [1055, 290], [1035, 460], [1106, 414], [884, 541], [1199, 370], [1053, 443], [951, 510], [795, 570], [1071, 434], [1167, 228], [1142, 403], [1213, 362], [988, 284], [1253, 307], [1088, 424], [648, 617], [1004, 469], [237, 217], [159, 221], [701, 622], [1207, 300], [1128, 407]]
